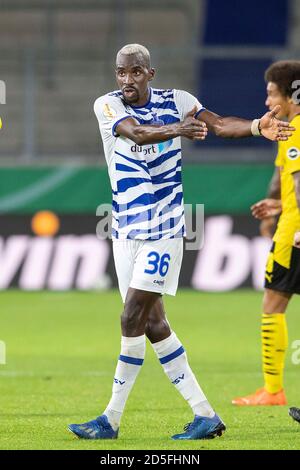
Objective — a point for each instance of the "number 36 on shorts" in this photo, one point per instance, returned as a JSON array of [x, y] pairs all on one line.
[[157, 263]]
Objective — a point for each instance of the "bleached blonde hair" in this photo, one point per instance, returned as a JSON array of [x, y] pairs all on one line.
[[136, 49]]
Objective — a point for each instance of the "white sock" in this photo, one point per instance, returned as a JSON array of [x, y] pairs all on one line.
[[129, 364], [173, 358]]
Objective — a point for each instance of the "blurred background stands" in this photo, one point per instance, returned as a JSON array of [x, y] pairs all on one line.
[[56, 57]]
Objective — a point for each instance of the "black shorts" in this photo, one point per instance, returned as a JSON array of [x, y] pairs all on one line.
[[280, 278]]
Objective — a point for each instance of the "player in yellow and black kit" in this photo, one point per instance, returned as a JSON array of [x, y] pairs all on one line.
[[283, 266]]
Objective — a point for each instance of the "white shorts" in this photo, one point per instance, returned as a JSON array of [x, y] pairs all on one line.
[[151, 265]]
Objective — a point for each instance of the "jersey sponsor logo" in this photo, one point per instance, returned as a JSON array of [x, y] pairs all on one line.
[[146, 150], [109, 112], [293, 153], [163, 146], [160, 283]]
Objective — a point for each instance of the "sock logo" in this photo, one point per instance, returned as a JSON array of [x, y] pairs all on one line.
[[178, 380], [119, 382]]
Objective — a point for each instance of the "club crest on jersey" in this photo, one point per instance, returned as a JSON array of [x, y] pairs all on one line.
[[109, 112], [156, 121], [293, 153]]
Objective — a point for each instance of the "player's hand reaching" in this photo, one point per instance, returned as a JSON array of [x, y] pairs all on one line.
[[297, 240], [266, 208], [272, 128], [192, 128]]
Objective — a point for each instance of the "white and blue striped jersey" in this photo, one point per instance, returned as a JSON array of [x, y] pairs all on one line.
[[146, 180]]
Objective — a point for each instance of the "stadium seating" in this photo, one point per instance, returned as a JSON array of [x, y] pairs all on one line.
[[55, 63]]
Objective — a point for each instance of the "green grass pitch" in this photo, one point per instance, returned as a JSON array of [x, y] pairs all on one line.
[[61, 355]]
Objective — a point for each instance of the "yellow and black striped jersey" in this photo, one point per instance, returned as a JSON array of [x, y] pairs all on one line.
[[288, 160]]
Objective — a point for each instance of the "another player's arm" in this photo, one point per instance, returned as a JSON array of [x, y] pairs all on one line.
[[266, 208], [261, 209], [143, 134], [233, 127], [274, 190], [297, 186], [297, 189], [268, 224]]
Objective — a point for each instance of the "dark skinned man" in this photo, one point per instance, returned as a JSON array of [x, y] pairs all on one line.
[[141, 129]]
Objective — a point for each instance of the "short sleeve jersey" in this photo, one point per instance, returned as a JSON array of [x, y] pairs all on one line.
[[147, 193], [288, 160]]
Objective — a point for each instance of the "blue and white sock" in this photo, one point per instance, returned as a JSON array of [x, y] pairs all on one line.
[[173, 358], [129, 365]]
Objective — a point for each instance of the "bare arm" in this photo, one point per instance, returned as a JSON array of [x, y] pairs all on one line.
[[274, 190], [270, 207], [297, 186], [233, 127], [268, 224], [229, 127], [142, 134]]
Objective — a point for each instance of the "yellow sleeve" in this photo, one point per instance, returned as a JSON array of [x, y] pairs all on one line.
[[292, 157]]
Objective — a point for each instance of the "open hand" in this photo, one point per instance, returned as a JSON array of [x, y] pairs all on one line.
[[266, 208], [272, 128]]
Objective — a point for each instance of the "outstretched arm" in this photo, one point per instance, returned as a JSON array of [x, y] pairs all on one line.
[[232, 127], [143, 134]]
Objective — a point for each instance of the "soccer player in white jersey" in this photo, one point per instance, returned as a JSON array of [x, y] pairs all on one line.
[[141, 129]]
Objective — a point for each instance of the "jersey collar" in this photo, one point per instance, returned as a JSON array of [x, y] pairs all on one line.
[[145, 105]]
